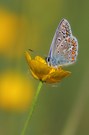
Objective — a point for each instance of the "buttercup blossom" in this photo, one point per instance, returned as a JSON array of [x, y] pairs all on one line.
[[16, 92], [43, 72]]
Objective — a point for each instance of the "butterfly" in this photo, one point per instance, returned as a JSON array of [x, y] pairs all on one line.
[[64, 46]]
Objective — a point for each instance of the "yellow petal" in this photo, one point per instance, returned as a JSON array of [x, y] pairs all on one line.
[[39, 69], [57, 76], [38, 58], [28, 57], [34, 75]]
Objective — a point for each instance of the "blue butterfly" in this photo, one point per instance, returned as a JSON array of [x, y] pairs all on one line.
[[64, 47]]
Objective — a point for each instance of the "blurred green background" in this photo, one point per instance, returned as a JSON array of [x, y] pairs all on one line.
[[62, 109]]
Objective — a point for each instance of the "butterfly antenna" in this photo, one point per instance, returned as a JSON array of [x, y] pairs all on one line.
[[31, 50], [45, 56]]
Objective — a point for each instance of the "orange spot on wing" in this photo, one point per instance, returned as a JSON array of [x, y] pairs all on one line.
[[73, 58], [74, 44], [74, 48], [73, 52]]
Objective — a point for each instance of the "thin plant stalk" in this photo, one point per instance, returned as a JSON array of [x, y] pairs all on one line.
[[31, 109]]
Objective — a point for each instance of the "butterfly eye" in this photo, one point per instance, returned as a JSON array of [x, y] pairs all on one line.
[[48, 59]]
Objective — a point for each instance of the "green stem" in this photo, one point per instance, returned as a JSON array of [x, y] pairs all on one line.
[[32, 109]]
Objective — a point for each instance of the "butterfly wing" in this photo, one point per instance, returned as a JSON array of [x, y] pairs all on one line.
[[62, 46], [66, 53]]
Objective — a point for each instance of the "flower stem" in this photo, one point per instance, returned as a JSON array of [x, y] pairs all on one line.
[[32, 109]]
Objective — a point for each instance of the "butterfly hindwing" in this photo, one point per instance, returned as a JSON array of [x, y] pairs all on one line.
[[66, 52]]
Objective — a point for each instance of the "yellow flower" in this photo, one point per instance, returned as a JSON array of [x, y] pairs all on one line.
[[13, 33], [40, 70], [16, 92], [8, 28]]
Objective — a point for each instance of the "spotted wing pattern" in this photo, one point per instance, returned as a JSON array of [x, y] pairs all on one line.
[[64, 47]]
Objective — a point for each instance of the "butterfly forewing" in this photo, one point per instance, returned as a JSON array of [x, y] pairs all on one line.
[[63, 30]]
